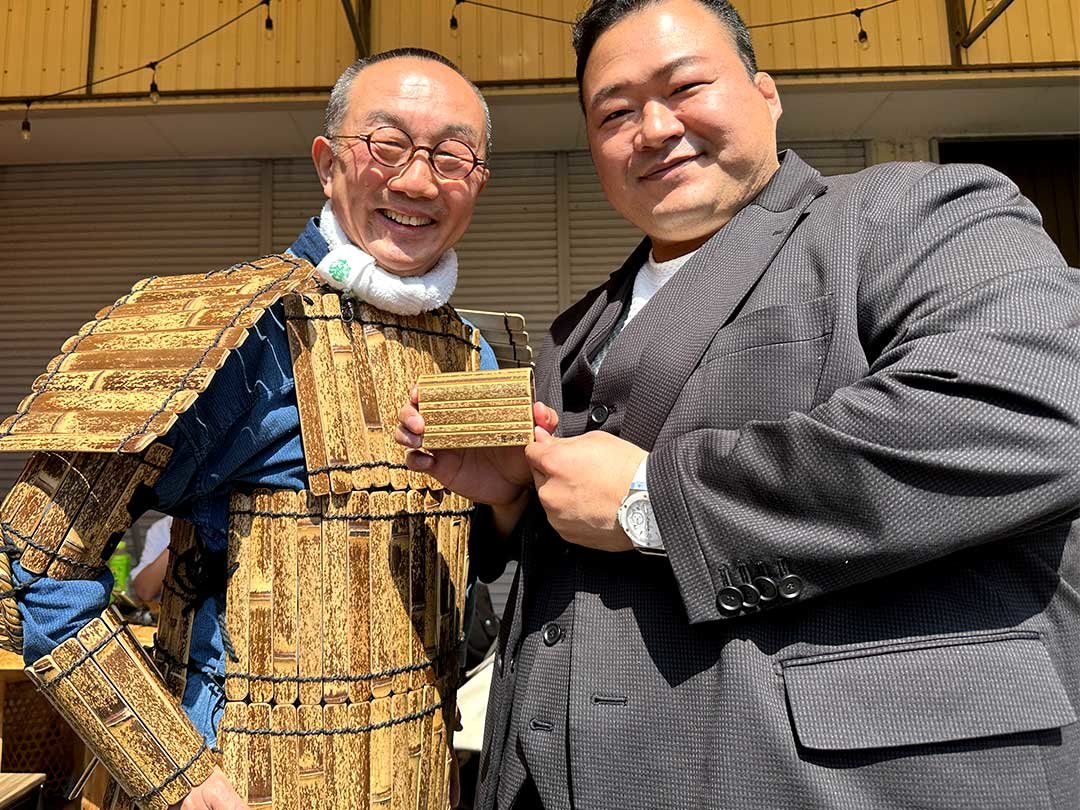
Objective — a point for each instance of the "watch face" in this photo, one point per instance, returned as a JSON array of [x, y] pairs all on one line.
[[639, 522]]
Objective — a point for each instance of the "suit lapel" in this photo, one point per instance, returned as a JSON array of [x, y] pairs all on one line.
[[568, 364], [675, 328]]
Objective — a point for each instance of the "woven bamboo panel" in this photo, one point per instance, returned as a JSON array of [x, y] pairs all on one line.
[[36, 738], [505, 333], [122, 381], [477, 409]]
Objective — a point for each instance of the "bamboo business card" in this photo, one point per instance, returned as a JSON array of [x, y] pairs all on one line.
[[477, 408]]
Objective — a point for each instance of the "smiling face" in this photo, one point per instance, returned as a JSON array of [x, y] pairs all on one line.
[[407, 217], [681, 136]]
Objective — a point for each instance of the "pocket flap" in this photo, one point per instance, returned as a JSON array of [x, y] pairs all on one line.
[[948, 689]]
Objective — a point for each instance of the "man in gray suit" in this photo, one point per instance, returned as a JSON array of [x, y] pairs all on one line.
[[806, 533]]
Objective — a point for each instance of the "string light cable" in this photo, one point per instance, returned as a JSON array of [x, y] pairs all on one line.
[[862, 38], [153, 93]]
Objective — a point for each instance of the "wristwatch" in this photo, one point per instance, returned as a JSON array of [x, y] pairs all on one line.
[[636, 516]]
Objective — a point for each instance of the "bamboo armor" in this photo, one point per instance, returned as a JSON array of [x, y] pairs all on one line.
[[345, 602], [102, 683]]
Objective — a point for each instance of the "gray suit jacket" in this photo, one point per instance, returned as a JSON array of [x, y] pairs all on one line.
[[862, 399]]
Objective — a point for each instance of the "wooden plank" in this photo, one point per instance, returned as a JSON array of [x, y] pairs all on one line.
[[360, 621], [311, 760], [335, 645], [235, 760], [285, 758], [301, 339], [165, 379], [260, 601], [260, 765], [237, 616], [285, 614], [383, 595], [309, 568]]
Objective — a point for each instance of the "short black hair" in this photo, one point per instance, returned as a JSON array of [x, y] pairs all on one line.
[[338, 105], [603, 14]]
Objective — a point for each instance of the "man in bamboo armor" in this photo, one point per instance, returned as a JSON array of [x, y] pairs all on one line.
[[311, 616]]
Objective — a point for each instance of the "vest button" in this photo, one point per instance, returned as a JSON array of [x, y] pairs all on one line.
[[551, 634], [599, 414]]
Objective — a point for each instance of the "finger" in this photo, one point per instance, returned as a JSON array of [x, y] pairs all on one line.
[[455, 781], [409, 417], [414, 396], [419, 461], [545, 417], [542, 436], [406, 438]]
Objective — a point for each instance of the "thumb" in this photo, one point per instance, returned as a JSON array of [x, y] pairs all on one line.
[[542, 436], [545, 417]]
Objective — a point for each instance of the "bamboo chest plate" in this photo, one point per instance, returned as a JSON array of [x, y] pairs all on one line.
[[477, 409]]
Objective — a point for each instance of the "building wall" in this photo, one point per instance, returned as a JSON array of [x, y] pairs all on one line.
[[45, 45], [500, 47]]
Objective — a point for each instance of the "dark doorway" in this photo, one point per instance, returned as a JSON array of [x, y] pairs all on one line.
[[1047, 171]]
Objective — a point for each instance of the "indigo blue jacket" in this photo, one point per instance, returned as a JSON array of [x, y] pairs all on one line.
[[241, 434]]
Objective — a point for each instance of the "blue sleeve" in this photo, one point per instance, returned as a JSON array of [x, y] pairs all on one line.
[[487, 355]]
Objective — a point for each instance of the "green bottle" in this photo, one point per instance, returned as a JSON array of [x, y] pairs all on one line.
[[120, 565]]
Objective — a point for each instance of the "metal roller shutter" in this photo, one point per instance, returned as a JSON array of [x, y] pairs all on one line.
[[831, 157], [297, 196], [508, 257], [75, 238]]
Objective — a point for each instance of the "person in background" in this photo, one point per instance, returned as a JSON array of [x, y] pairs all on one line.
[[146, 577]]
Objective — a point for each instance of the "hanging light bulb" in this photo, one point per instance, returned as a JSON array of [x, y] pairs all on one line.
[[862, 37], [26, 124], [268, 26]]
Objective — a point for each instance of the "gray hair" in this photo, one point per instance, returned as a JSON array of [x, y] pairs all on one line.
[[338, 105]]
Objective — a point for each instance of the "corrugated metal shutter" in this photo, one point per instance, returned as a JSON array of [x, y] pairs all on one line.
[[75, 238], [509, 254], [297, 197], [600, 239], [831, 157]]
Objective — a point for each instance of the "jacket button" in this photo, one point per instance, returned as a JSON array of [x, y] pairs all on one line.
[[551, 634], [730, 599], [766, 588], [790, 586], [599, 414], [750, 595]]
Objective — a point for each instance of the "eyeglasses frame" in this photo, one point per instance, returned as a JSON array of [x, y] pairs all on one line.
[[477, 161]]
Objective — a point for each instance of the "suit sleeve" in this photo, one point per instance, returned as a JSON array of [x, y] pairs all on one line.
[[965, 430]]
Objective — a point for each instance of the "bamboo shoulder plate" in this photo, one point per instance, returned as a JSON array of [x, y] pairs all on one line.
[[121, 382], [505, 333], [477, 409]]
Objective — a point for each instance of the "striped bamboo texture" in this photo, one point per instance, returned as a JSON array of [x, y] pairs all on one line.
[[103, 684], [10, 619], [345, 615], [505, 333], [353, 372], [65, 507], [477, 409], [172, 642], [125, 377]]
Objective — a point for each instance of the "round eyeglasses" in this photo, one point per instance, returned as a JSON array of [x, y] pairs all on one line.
[[394, 148]]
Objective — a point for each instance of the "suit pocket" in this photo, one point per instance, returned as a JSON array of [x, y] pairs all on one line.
[[771, 326], [932, 691]]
